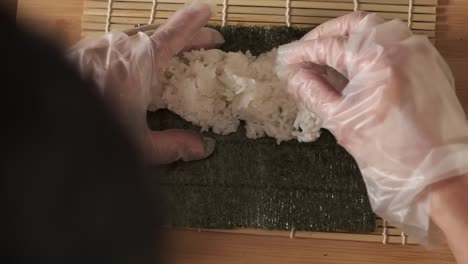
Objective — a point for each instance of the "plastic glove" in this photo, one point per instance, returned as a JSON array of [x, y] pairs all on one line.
[[126, 69], [398, 115]]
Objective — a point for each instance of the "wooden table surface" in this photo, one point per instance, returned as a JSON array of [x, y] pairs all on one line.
[[61, 21]]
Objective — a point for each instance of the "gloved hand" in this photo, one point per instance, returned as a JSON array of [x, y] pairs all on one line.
[[125, 67], [398, 115]]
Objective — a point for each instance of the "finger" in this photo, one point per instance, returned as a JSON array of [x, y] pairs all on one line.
[[344, 25], [172, 145], [335, 79], [206, 38], [315, 92], [324, 51], [179, 30]]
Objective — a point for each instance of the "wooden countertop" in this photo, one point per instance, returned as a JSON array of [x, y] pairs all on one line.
[[61, 20], [193, 247]]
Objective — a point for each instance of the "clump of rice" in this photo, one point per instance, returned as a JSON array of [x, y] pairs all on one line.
[[217, 90]]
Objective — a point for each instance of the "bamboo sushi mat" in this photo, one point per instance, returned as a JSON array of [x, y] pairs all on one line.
[[100, 16], [104, 15], [383, 233]]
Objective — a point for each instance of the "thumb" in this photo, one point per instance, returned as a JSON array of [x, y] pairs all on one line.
[[315, 92], [172, 145]]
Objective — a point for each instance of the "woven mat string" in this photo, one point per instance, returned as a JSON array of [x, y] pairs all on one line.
[[288, 13], [410, 13], [109, 11], [153, 10], [403, 238], [356, 5], [384, 232], [225, 6], [292, 234]]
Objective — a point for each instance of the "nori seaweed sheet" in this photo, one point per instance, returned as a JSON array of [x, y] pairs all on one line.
[[259, 184], [258, 40]]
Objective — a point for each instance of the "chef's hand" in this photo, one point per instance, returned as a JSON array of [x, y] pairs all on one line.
[[398, 114], [126, 67]]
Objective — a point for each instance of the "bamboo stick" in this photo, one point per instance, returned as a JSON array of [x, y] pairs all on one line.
[[338, 13], [91, 33], [379, 222], [390, 231], [366, 7]]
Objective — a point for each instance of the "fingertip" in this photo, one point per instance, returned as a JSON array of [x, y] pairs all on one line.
[[200, 148], [210, 3], [344, 25], [172, 145], [216, 37], [368, 20], [314, 91], [209, 145], [206, 38], [288, 53], [180, 29], [326, 51]]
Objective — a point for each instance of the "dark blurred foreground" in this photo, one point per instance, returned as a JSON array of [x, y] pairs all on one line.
[[75, 190]]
